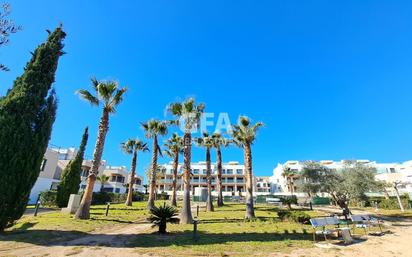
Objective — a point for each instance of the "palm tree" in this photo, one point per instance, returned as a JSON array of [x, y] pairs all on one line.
[[109, 95], [160, 174], [218, 142], [154, 129], [189, 114], [206, 141], [244, 134], [289, 174], [102, 179], [174, 147], [133, 146]]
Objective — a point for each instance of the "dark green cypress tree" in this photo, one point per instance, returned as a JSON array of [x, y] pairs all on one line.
[[27, 114], [71, 176]]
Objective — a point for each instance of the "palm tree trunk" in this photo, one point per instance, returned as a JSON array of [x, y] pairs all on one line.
[[209, 203], [186, 212], [219, 178], [152, 191], [129, 201], [250, 211], [84, 210], [173, 201]]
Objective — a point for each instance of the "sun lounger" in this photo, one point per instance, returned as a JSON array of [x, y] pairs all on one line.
[[365, 222], [325, 225]]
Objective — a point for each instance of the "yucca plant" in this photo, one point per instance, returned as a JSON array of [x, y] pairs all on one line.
[[160, 216]]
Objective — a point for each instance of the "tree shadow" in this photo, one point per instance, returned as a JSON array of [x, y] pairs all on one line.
[[24, 227], [145, 240]]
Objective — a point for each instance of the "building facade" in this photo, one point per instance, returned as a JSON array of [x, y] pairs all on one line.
[[389, 172], [55, 161], [233, 179]]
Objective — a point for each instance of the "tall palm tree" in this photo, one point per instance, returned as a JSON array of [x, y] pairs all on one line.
[[244, 134], [289, 174], [160, 174], [154, 129], [109, 95], [133, 146], [218, 142], [174, 147], [206, 141], [189, 114], [102, 179]]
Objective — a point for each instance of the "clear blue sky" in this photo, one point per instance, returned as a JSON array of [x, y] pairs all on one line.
[[330, 80]]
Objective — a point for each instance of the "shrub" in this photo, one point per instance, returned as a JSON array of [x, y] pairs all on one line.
[[48, 198], [283, 215], [300, 217], [289, 200], [100, 198], [295, 216], [163, 196], [138, 196], [392, 203]]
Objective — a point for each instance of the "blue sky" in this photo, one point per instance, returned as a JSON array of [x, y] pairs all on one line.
[[330, 80]]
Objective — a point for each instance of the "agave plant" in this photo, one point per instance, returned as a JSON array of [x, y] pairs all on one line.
[[160, 216]]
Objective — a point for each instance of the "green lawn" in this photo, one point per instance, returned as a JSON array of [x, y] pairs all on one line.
[[220, 233], [391, 213], [225, 232], [55, 226]]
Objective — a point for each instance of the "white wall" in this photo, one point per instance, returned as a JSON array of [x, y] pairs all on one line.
[[42, 184]]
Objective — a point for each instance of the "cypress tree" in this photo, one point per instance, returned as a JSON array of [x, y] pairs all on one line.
[[27, 114], [71, 176]]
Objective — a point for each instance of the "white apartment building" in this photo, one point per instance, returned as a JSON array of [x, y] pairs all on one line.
[[262, 185], [389, 172], [46, 180], [55, 161], [119, 177], [233, 178]]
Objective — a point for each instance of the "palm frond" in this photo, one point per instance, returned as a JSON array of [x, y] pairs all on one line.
[[118, 97], [89, 97]]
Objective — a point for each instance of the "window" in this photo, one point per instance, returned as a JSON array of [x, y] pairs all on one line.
[[196, 171], [392, 170], [43, 164], [230, 180], [230, 171], [85, 172], [117, 190], [108, 189], [239, 171]]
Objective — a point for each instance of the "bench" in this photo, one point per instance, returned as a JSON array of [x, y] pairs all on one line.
[[274, 201], [323, 223], [365, 222]]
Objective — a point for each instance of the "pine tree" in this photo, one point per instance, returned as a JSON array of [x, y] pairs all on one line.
[[27, 114], [71, 176]]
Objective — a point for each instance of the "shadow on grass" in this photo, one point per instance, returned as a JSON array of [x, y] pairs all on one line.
[[236, 220], [145, 240], [185, 238]]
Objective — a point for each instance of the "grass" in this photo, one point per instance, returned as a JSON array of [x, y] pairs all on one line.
[[220, 233], [55, 226], [225, 232], [392, 213]]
